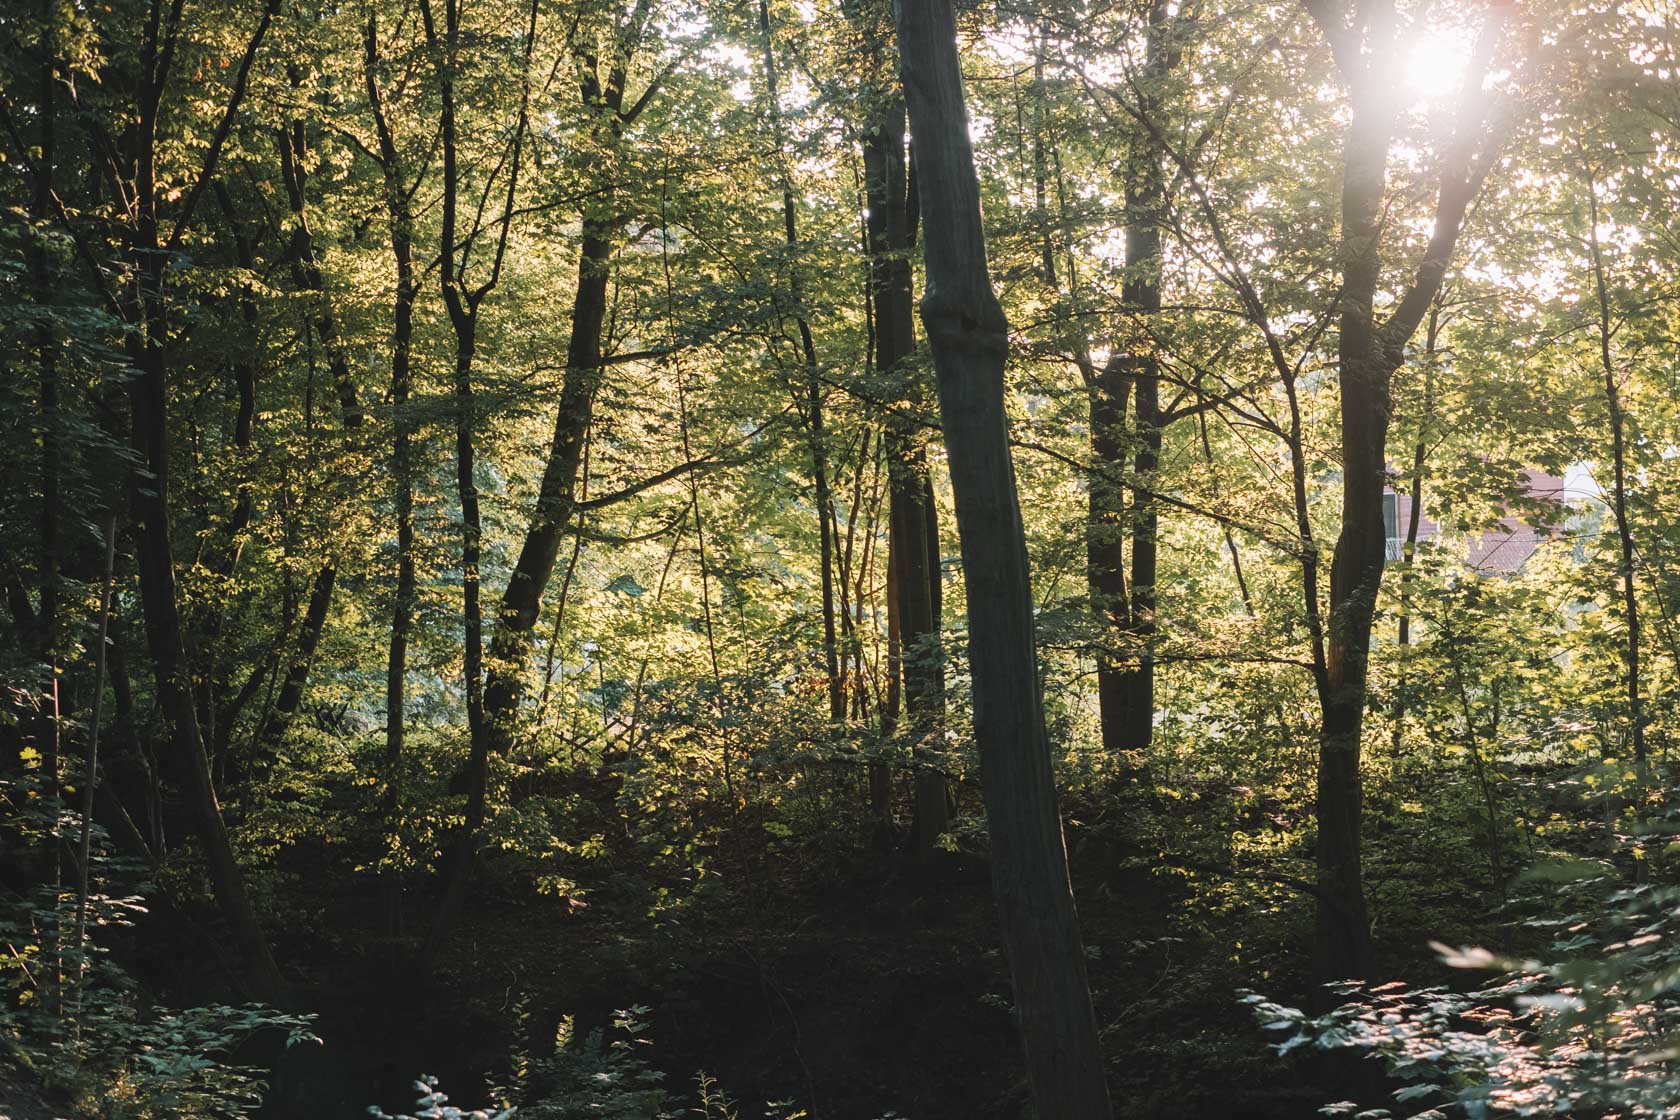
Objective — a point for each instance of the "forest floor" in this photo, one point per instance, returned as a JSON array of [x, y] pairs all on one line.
[[21, 1099], [879, 992]]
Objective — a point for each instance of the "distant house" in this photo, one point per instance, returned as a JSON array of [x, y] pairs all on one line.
[[1504, 548]]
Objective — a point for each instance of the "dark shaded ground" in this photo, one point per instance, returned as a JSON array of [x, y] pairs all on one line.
[[21, 1099], [882, 992]]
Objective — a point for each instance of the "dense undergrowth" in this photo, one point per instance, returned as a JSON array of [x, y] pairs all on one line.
[[780, 962]]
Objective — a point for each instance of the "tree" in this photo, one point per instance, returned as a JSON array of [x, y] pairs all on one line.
[[968, 336], [1366, 48]]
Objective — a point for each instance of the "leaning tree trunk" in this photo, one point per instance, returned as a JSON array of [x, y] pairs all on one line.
[[969, 340], [602, 94]]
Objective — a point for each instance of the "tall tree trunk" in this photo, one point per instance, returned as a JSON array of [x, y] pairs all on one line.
[[969, 339], [1105, 546], [463, 319], [41, 212], [602, 96], [1619, 482], [1368, 354], [90, 762], [914, 532], [149, 489], [400, 215], [914, 572], [813, 381], [1141, 298], [522, 601], [463, 304]]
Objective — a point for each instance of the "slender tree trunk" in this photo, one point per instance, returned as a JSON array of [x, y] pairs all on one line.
[[149, 493], [1368, 354], [1141, 297], [46, 349], [1105, 547], [522, 601], [1619, 483], [813, 380], [913, 527], [464, 851], [1414, 523], [90, 764], [463, 319], [969, 339], [463, 304], [401, 219], [602, 221]]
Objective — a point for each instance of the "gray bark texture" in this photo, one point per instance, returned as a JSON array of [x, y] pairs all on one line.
[[969, 339]]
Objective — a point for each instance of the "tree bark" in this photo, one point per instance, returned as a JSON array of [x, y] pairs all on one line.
[[1140, 298], [463, 303], [912, 520], [1368, 354], [149, 491], [399, 214], [969, 339], [602, 95], [1105, 546]]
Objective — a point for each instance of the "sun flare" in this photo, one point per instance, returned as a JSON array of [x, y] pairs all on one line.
[[1436, 62]]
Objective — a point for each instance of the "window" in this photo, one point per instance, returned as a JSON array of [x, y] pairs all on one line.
[[1391, 525]]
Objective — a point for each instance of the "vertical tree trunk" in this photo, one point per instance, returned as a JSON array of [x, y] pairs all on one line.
[[463, 318], [149, 490], [969, 340], [41, 212], [1619, 484], [1414, 523], [1141, 297], [463, 304], [90, 763], [813, 381], [401, 218], [912, 520], [1342, 943], [1107, 395], [1368, 354], [1105, 546]]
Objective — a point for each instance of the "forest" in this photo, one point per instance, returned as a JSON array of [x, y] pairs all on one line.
[[845, 559]]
